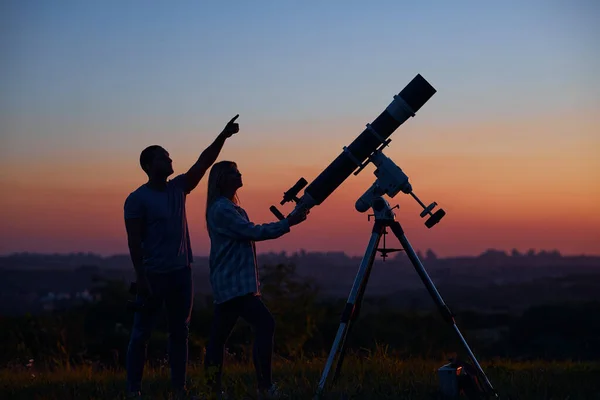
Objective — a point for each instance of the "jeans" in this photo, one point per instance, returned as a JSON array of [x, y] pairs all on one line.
[[174, 290], [252, 309]]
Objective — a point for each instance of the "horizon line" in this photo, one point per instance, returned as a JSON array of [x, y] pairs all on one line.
[[509, 253]]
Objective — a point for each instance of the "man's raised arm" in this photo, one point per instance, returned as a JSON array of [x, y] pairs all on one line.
[[210, 154]]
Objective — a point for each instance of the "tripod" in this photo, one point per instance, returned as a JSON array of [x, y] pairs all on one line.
[[384, 218]]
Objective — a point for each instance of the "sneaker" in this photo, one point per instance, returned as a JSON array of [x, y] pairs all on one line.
[[270, 394]]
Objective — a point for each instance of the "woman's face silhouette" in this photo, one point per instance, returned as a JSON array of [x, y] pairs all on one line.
[[232, 180]]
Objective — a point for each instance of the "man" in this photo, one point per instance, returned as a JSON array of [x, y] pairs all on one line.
[[159, 245]]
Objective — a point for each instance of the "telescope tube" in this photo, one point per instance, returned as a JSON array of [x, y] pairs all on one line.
[[404, 106]]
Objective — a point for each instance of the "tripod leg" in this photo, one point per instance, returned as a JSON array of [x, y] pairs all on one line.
[[443, 308], [356, 312], [348, 312]]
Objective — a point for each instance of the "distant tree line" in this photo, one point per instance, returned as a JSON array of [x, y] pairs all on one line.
[[98, 332]]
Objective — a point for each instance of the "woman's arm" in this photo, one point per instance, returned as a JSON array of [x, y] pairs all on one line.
[[226, 220]]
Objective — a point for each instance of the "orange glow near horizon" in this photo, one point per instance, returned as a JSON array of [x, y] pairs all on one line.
[[520, 184]]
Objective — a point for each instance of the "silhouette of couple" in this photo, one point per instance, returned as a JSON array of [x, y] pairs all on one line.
[[159, 245]]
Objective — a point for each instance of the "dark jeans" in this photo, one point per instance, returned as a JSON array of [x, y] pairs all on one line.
[[252, 309], [175, 291]]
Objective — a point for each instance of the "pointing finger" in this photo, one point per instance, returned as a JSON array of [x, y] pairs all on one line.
[[234, 118]]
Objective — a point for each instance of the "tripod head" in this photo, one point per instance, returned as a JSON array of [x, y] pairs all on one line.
[[390, 181]]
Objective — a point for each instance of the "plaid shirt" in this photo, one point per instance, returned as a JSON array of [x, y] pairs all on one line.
[[232, 260]]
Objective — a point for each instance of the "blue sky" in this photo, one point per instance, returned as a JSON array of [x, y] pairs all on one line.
[[139, 66], [508, 144]]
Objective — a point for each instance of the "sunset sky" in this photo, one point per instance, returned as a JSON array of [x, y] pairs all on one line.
[[508, 146]]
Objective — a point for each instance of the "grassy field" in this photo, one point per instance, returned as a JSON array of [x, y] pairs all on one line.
[[380, 377]]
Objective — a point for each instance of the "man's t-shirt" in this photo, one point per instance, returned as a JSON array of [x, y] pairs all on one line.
[[165, 235]]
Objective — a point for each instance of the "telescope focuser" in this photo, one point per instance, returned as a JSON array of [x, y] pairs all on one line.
[[290, 195]]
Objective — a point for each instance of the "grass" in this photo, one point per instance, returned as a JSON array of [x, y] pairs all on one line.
[[379, 377]]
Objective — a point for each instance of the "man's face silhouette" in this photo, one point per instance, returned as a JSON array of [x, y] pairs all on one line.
[[162, 165]]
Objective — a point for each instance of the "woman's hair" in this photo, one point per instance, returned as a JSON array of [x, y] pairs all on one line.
[[215, 183]]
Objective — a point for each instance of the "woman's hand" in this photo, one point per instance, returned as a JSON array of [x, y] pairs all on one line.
[[298, 217]]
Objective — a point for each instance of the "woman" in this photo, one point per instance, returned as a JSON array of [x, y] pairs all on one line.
[[234, 275]]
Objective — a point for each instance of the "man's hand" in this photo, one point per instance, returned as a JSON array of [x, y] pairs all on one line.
[[143, 285], [210, 154], [231, 128]]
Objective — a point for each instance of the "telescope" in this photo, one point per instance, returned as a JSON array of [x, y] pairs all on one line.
[[356, 155], [391, 180]]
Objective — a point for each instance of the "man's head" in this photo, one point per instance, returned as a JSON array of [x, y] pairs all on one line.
[[156, 163]]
